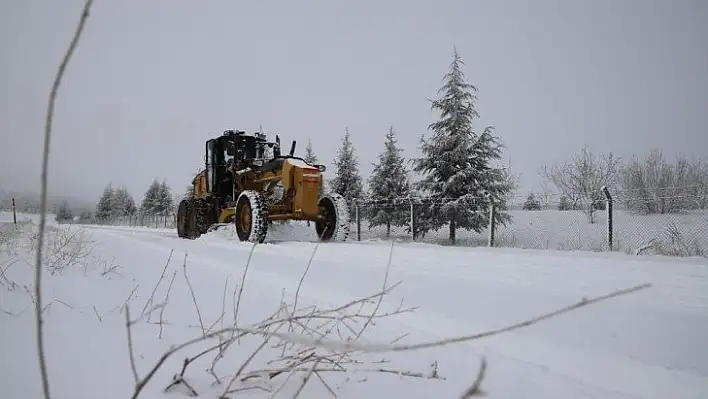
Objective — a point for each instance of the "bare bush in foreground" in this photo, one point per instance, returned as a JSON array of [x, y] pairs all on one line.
[[309, 341]]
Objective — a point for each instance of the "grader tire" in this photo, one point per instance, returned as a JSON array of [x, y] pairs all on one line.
[[334, 225], [251, 217]]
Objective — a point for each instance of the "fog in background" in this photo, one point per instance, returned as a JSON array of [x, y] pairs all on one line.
[[152, 80]]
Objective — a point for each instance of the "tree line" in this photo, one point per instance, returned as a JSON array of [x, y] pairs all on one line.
[[460, 182], [459, 179], [646, 185], [118, 202]]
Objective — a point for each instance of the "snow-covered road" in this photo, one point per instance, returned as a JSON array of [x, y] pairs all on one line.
[[650, 344]]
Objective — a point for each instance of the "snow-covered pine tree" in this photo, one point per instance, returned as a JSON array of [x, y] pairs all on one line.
[[123, 202], [388, 184], [347, 182], [64, 213], [165, 201], [311, 158], [104, 209], [459, 180], [531, 203], [151, 200], [188, 191]]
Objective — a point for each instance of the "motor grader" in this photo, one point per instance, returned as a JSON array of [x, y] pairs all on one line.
[[247, 183]]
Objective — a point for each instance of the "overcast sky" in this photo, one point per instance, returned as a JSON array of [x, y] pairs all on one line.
[[152, 80]]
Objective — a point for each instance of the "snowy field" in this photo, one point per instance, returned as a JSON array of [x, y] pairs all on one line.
[[571, 231], [682, 234], [647, 344]]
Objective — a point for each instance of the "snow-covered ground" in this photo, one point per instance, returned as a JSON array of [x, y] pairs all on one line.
[[677, 234], [648, 344], [571, 231]]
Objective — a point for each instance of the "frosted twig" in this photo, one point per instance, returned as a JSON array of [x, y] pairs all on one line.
[[162, 275], [167, 298], [243, 282], [128, 325], [474, 389], [380, 299], [304, 274], [305, 379], [125, 304], [98, 316], [191, 291], [43, 196], [373, 348]]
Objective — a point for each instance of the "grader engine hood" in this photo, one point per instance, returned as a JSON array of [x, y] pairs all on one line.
[[305, 179]]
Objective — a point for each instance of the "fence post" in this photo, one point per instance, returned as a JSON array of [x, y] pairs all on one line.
[[358, 220], [492, 225], [412, 219], [14, 212], [608, 208]]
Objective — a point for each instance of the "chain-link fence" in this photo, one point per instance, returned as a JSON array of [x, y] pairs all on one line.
[[627, 222], [137, 220], [635, 223]]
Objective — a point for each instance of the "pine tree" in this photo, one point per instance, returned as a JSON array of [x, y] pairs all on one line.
[[151, 200], [104, 209], [165, 201], [64, 213], [347, 182], [531, 203], [388, 184], [188, 191], [123, 203], [456, 161], [310, 156], [564, 203]]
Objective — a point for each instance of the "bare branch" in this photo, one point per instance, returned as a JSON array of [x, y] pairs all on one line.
[[474, 389], [194, 298], [373, 348], [243, 281], [44, 183], [162, 275], [167, 298], [128, 325]]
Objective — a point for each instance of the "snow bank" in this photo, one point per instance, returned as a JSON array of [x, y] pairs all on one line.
[[646, 345]]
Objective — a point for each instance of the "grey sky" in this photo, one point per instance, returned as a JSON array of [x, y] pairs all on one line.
[[152, 80]]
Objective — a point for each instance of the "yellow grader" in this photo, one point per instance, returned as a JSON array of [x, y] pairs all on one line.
[[247, 183]]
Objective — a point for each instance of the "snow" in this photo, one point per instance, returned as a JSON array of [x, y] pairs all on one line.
[[649, 344], [300, 163], [570, 231]]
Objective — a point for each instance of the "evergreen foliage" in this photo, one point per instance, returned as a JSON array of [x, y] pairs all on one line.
[[158, 199], [64, 213], [310, 156], [388, 184], [312, 159], [347, 182], [531, 203], [104, 209], [122, 203], [459, 181]]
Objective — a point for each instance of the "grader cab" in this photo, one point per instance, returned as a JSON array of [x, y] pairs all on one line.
[[247, 183]]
